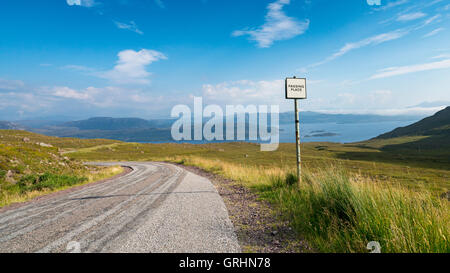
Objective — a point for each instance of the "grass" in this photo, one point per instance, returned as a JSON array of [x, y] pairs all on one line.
[[15, 136], [342, 213], [339, 212], [29, 169], [409, 169], [32, 186]]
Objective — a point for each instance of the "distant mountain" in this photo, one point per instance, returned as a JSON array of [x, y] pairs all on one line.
[[112, 124], [103, 123], [436, 125], [127, 135], [5, 125]]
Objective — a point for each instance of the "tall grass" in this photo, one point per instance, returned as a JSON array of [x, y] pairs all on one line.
[[339, 212]]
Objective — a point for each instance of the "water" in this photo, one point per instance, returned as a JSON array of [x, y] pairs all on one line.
[[345, 133]]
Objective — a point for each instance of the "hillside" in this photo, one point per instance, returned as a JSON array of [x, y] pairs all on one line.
[[32, 164], [436, 125]]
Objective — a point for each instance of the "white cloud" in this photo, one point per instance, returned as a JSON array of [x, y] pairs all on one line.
[[392, 4], [68, 93], [79, 68], [360, 100], [87, 102], [104, 97], [442, 56], [131, 66], [374, 40], [82, 3], [410, 16], [278, 26], [434, 32], [74, 2], [245, 92], [381, 96], [379, 102], [432, 19], [10, 84], [131, 26], [396, 71]]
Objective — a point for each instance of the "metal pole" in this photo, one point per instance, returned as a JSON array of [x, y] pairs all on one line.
[[297, 133]]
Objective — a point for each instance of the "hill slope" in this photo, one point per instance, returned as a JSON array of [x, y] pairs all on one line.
[[436, 125], [32, 164]]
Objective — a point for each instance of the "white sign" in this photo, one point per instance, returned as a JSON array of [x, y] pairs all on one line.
[[295, 88]]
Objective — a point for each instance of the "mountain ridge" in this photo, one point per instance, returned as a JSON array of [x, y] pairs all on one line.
[[438, 124], [6, 125]]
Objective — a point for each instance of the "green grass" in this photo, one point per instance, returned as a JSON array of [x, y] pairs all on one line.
[[15, 136], [28, 169], [338, 213], [45, 181], [410, 169]]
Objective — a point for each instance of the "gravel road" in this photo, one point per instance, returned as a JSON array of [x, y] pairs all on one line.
[[155, 208]]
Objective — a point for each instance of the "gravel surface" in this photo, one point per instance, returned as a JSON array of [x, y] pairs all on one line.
[[155, 208], [258, 224]]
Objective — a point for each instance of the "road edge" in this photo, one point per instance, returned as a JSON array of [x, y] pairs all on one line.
[[256, 222]]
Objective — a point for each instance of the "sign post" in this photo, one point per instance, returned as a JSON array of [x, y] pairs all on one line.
[[296, 90]]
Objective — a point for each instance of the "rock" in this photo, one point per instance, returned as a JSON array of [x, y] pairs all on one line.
[[274, 233], [25, 139], [42, 144], [9, 177]]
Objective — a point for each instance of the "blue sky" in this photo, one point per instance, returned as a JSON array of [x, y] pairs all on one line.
[[121, 58]]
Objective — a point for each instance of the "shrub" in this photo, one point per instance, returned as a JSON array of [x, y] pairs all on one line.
[[47, 181]]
